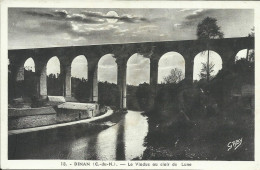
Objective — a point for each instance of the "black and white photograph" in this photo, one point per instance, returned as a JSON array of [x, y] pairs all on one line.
[[130, 84]]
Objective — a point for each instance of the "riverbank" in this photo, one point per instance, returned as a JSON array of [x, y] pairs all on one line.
[[226, 136], [106, 120]]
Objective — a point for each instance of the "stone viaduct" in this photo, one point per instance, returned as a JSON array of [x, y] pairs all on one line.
[[227, 48]]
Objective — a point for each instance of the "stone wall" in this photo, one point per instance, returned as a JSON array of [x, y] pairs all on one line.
[[22, 122], [17, 112], [20, 118], [66, 115]]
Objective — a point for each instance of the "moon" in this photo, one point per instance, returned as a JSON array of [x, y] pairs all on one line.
[[112, 14]]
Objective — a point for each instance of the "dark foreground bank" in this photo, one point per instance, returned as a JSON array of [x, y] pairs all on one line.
[[228, 135]]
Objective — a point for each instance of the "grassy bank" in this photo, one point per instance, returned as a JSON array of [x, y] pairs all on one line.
[[206, 138]]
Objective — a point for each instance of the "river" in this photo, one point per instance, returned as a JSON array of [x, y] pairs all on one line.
[[123, 141]]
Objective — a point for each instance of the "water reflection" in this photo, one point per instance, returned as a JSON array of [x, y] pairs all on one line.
[[136, 129], [122, 141]]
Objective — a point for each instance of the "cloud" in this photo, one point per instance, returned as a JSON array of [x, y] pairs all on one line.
[[195, 17], [72, 30], [40, 14], [81, 24], [177, 25], [148, 27], [138, 61], [49, 27], [83, 19], [144, 29], [185, 9], [124, 18], [132, 19], [63, 15], [123, 30], [196, 14], [93, 14], [84, 30]]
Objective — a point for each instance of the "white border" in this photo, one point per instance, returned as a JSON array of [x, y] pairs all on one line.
[[55, 164]]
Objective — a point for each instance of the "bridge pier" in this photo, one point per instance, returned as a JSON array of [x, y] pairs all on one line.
[[66, 73], [153, 80], [189, 70], [228, 57], [121, 81], [41, 77], [93, 82], [154, 72], [20, 73], [17, 71]]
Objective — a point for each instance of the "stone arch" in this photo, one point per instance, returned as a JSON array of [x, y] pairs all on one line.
[[244, 53], [167, 62], [25, 78], [79, 67], [108, 67], [29, 77], [79, 78], [21, 67], [138, 69], [108, 91], [53, 66], [201, 57], [54, 79], [137, 74], [29, 64]]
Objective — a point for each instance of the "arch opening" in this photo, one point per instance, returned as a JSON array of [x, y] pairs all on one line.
[[79, 78], [247, 54], [138, 70], [107, 69], [29, 78], [108, 92], [201, 65], [137, 80], [171, 68], [29, 65], [26, 80], [53, 66], [54, 80], [79, 67]]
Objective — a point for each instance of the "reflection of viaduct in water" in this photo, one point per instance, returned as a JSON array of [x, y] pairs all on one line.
[[227, 48], [120, 142]]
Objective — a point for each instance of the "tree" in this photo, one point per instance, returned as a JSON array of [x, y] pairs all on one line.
[[206, 68], [175, 76], [252, 33], [250, 55], [208, 29], [143, 95]]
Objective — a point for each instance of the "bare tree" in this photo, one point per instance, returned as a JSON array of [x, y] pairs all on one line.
[[175, 76], [208, 29]]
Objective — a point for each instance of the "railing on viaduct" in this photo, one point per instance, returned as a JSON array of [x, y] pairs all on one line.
[[227, 48]]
